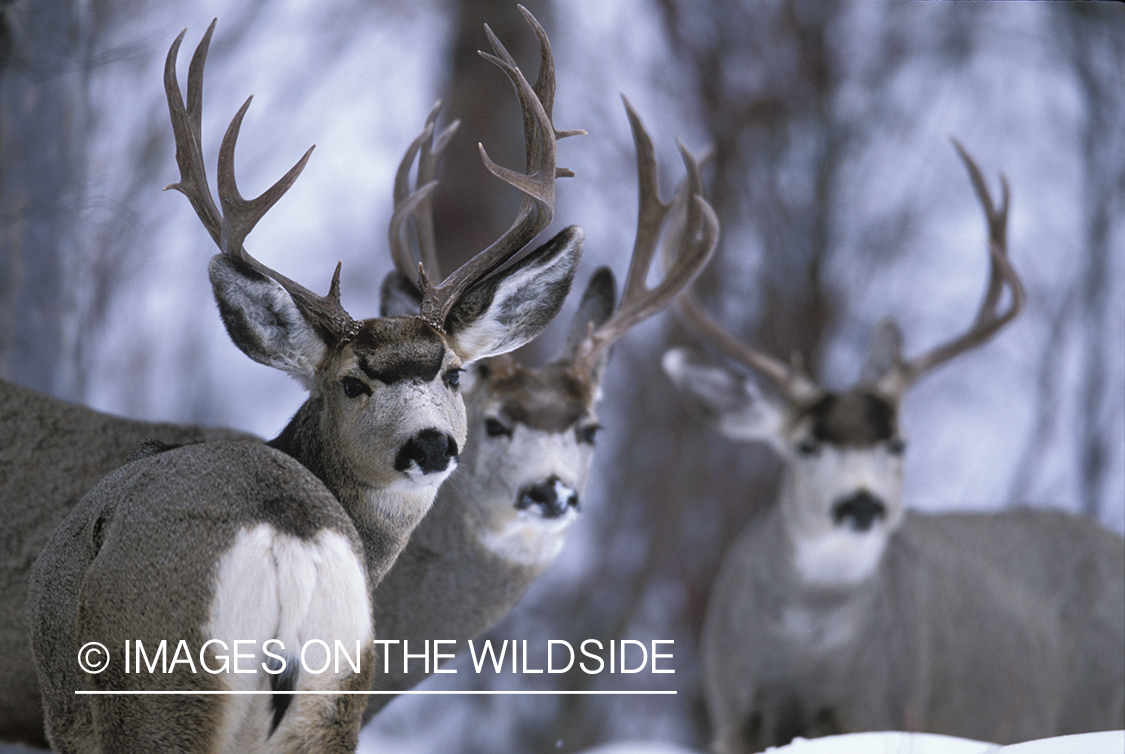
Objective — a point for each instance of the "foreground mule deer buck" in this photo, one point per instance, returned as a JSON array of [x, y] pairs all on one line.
[[501, 520], [838, 611], [279, 547]]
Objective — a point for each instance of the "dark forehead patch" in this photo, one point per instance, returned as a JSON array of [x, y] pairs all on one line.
[[854, 418], [393, 349], [549, 400]]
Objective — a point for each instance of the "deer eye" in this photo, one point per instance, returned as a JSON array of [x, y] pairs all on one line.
[[896, 446], [588, 433], [808, 448], [453, 378], [353, 387], [496, 428]]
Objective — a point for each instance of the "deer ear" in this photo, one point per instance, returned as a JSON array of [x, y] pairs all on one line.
[[731, 402], [398, 296], [263, 320], [510, 308], [594, 310]]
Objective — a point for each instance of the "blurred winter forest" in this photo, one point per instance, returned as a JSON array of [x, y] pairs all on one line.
[[841, 202]]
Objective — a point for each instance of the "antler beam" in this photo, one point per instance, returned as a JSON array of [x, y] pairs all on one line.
[[695, 235], [537, 184], [988, 320], [229, 227]]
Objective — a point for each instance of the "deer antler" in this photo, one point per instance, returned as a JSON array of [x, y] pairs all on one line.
[[417, 205], [790, 379], [696, 234], [537, 185], [238, 217], [988, 320]]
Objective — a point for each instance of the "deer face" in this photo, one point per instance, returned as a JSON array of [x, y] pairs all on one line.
[[392, 403], [844, 458], [531, 440], [530, 449], [841, 495], [385, 410]]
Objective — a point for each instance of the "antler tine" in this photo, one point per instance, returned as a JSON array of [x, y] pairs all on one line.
[[186, 127], [537, 185], [695, 237], [428, 163], [241, 215], [790, 379], [417, 205], [238, 217], [988, 320]]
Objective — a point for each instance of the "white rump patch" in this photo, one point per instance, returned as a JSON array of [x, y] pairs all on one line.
[[293, 593]]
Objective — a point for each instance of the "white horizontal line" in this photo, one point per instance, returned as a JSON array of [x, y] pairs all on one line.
[[412, 691]]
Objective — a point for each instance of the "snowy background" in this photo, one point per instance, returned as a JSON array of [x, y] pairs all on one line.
[[841, 201]]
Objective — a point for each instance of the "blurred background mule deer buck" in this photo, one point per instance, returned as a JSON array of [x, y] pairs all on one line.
[[502, 518], [838, 611], [280, 546]]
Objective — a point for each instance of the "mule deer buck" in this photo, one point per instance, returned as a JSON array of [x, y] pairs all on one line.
[[502, 518], [838, 611], [279, 547]]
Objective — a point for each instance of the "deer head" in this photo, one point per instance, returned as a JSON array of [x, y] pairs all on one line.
[[842, 486], [532, 428], [384, 411]]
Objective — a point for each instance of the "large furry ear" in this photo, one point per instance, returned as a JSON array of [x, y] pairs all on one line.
[[597, 305], [731, 402], [263, 320], [399, 296], [510, 308]]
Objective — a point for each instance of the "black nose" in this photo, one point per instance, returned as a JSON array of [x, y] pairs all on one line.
[[552, 496], [859, 511], [430, 449]]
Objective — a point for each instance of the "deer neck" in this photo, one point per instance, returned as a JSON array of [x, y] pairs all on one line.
[[384, 514], [813, 614]]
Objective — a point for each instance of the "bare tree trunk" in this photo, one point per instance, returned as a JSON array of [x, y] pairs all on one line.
[[42, 110], [1097, 47]]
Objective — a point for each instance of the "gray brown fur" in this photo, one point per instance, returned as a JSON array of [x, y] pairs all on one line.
[[1003, 627], [79, 446], [207, 493]]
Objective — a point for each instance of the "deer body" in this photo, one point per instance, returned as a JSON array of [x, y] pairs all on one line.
[[282, 546], [838, 612], [945, 635], [290, 570]]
